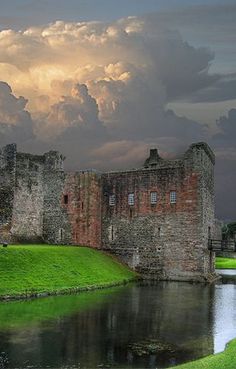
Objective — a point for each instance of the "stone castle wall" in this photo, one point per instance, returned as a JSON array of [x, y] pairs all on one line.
[[7, 188], [165, 240]]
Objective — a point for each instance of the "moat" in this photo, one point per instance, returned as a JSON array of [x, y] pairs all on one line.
[[135, 326]]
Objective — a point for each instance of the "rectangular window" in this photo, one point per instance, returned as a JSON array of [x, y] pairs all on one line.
[[131, 199], [112, 200], [66, 198], [172, 197], [153, 198]]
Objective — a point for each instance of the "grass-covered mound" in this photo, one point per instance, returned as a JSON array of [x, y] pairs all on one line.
[[224, 360], [29, 270], [225, 263]]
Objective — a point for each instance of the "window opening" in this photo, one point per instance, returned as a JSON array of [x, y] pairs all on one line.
[[173, 197], [131, 199], [209, 232], [153, 198], [112, 200]]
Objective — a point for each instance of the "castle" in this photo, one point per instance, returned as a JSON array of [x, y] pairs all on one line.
[[157, 218]]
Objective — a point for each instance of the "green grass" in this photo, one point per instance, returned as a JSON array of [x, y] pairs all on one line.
[[26, 270], [223, 360], [225, 263]]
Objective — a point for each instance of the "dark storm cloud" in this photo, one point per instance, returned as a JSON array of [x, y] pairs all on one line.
[[227, 126], [222, 90]]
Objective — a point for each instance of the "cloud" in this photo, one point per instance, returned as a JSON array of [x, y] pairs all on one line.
[[98, 92], [120, 51], [212, 22], [223, 89], [227, 126], [77, 110], [224, 144], [127, 68], [15, 121]]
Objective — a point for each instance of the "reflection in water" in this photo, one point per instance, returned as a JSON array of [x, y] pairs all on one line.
[[98, 329], [225, 315]]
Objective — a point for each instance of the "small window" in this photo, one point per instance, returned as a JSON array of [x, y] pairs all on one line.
[[61, 234], [172, 197], [112, 200], [131, 199], [153, 198], [66, 199]]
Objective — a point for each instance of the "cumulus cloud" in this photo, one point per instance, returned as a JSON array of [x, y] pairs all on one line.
[[15, 121], [78, 110], [98, 92], [121, 51], [115, 78]]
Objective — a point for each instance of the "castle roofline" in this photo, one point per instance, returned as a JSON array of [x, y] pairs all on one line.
[[205, 147]]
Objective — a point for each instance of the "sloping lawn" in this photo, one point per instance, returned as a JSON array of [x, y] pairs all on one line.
[[30, 269], [225, 263], [224, 360]]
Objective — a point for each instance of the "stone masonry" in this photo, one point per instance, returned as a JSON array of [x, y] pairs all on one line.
[[157, 218]]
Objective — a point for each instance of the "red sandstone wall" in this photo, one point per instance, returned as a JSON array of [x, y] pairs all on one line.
[[83, 208], [142, 183]]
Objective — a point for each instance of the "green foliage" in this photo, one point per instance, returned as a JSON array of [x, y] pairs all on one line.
[[25, 270], [225, 263], [224, 360], [229, 230]]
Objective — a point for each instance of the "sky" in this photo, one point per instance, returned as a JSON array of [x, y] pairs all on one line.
[[103, 81]]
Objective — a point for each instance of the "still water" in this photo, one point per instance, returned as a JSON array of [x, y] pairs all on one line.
[[135, 326]]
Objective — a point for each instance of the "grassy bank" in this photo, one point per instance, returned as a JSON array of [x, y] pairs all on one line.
[[224, 360], [225, 263], [29, 270]]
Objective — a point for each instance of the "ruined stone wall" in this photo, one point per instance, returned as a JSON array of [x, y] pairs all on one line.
[[165, 240], [27, 220], [202, 160], [41, 203], [56, 226], [7, 186], [38, 185], [81, 200], [72, 208], [162, 239]]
